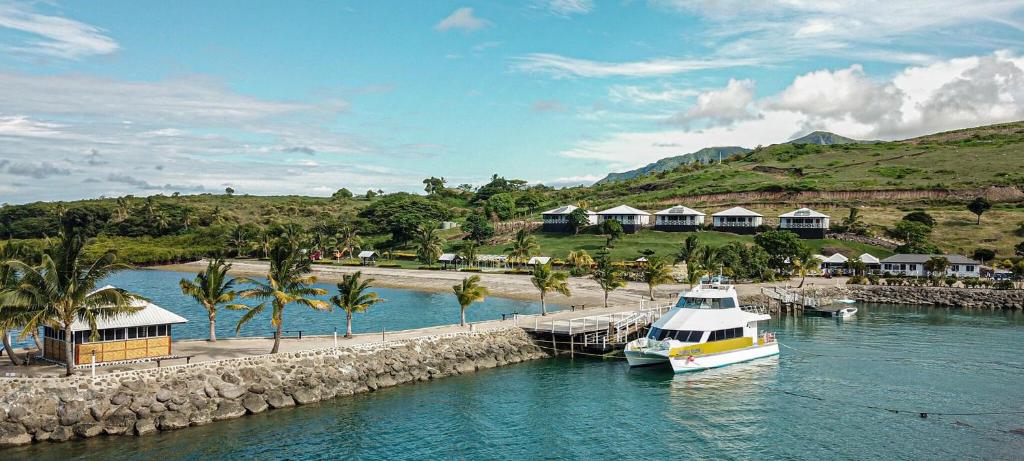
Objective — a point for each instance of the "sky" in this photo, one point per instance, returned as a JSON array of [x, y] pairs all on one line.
[[108, 98]]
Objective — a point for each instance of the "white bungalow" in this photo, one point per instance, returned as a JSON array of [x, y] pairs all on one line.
[[835, 264], [805, 222], [557, 220], [912, 265], [871, 263], [367, 257], [631, 218], [737, 220], [678, 219]]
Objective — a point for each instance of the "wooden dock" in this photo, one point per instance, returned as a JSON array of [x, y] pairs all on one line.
[[601, 333], [788, 299]]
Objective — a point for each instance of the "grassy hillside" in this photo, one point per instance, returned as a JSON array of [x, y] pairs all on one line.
[[705, 155]]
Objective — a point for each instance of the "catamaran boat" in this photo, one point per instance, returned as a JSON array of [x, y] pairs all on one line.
[[707, 328], [846, 312]]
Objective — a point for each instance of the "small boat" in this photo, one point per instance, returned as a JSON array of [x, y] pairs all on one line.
[[846, 312], [847, 301], [706, 329]]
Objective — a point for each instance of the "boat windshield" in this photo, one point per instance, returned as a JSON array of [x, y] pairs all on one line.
[[685, 336], [706, 303]]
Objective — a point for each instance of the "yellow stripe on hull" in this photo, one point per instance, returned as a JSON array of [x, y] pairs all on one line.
[[712, 347]]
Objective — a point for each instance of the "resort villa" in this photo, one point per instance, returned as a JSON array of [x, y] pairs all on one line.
[[737, 220], [557, 220], [871, 263], [678, 219], [835, 264], [805, 222], [913, 265], [367, 257], [452, 259], [631, 218], [141, 335]]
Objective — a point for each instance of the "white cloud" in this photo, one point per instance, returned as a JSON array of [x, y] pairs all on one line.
[[548, 105], [723, 106], [644, 95], [570, 181], [561, 66], [54, 36], [569, 7], [842, 93], [461, 19]]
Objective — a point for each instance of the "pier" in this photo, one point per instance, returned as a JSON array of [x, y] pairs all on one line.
[[789, 300], [600, 333]]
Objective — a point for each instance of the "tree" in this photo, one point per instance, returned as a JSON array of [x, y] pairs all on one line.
[[979, 206], [581, 261], [342, 194], [352, 297], [936, 265], [656, 272], [401, 214], [1018, 249], [612, 230], [914, 235], [545, 279], [62, 289], [523, 246], [10, 317], [501, 205], [229, 190], [782, 246], [479, 228], [921, 217], [578, 219], [688, 249], [347, 241], [468, 251], [468, 292], [288, 282], [802, 266], [370, 194], [853, 224], [211, 288], [608, 277], [429, 245], [434, 185], [984, 254]]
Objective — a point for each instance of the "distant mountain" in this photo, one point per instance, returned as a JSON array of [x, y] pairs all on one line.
[[824, 138], [705, 155]]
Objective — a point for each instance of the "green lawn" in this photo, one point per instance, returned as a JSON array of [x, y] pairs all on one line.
[[664, 244]]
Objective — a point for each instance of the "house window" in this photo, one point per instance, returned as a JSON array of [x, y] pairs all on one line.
[[968, 268]]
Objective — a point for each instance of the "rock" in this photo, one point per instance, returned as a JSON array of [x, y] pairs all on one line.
[[305, 396], [120, 421], [231, 391], [258, 389], [278, 399], [3, 414], [87, 430], [71, 413], [254, 403], [163, 395], [173, 420], [39, 423], [157, 408], [200, 418], [120, 399], [228, 409], [13, 434], [17, 413], [62, 434], [145, 427]]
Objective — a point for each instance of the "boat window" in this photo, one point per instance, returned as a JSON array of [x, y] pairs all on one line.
[[707, 303]]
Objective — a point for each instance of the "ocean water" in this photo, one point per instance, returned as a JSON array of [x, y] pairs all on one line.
[[839, 390], [401, 310]]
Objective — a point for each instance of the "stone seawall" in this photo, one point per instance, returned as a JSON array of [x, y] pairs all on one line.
[[143, 402], [972, 298]]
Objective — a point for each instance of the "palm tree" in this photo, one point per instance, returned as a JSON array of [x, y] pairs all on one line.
[[124, 208], [607, 277], [580, 260], [523, 246], [546, 279], [211, 288], [150, 207], [238, 239], [186, 216], [287, 282], [10, 317], [348, 241], [294, 234], [264, 241], [468, 252], [61, 290], [801, 267], [656, 272], [690, 247], [468, 292], [429, 245], [352, 297], [161, 222]]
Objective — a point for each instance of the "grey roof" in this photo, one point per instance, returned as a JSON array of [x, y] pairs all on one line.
[[566, 209], [623, 209], [539, 260], [737, 211], [448, 257], [680, 210], [367, 254], [151, 314], [921, 259], [803, 213]]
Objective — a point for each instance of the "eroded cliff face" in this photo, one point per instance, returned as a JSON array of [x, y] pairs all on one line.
[[143, 402]]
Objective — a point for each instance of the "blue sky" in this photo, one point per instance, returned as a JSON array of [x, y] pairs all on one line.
[[110, 98]]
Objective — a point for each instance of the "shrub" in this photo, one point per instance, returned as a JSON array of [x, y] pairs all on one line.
[[856, 280], [429, 268], [390, 265], [1003, 285], [470, 269]]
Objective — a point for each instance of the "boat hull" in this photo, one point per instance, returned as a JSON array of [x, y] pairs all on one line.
[[643, 359], [684, 364]]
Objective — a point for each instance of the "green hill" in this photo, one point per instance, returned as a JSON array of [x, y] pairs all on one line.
[[705, 155], [824, 138]]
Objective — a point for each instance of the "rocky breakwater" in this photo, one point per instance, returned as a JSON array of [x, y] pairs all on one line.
[[970, 298], [143, 402]]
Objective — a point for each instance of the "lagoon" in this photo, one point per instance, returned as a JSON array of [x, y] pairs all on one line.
[[811, 402]]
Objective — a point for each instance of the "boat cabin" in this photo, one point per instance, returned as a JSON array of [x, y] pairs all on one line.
[[141, 335], [678, 219]]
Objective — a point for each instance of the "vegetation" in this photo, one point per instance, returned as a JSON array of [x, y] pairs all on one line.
[[467, 293], [211, 288], [353, 297], [545, 279], [655, 272], [608, 277]]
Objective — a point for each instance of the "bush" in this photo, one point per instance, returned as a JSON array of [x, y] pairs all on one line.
[[517, 272], [390, 265], [429, 268], [1003, 285], [351, 264], [470, 269], [856, 280]]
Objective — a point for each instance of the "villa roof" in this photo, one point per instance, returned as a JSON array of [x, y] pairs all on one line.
[[921, 259], [448, 257], [737, 211], [565, 209], [868, 259], [803, 213], [151, 314], [623, 209], [367, 254], [837, 258], [491, 258], [680, 210], [539, 260]]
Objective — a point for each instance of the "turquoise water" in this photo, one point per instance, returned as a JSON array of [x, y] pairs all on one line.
[[904, 358], [402, 309]]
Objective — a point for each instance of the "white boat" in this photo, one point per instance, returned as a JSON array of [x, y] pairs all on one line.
[[846, 312], [706, 329]]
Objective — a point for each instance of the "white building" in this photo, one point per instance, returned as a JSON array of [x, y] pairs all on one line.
[[631, 218], [737, 220], [913, 265], [557, 220], [678, 219], [805, 222]]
